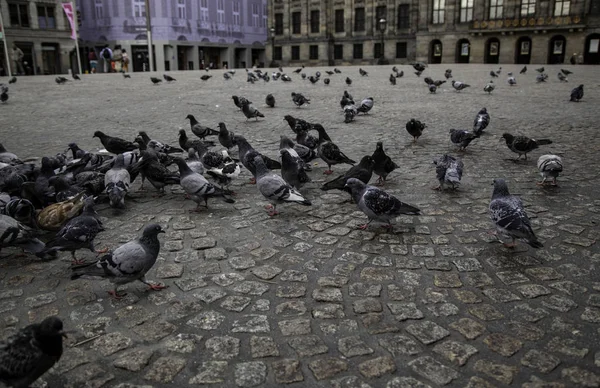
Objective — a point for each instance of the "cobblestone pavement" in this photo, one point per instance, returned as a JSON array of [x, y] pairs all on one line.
[[305, 299]]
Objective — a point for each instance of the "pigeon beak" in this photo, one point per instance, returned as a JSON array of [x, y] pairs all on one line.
[[162, 231], [64, 333]]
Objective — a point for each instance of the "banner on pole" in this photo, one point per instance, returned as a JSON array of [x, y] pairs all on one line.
[[68, 8]]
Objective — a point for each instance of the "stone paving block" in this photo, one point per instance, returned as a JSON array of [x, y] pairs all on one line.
[[500, 372], [540, 361], [164, 369], [326, 368], [427, 332], [308, 345], [250, 374], [456, 352], [400, 345], [353, 346], [210, 372], [502, 344], [377, 367], [433, 370], [135, 360], [287, 371]]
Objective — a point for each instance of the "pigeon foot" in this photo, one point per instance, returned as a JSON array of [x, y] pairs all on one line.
[[252, 181], [156, 287], [116, 295], [273, 213], [103, 250], [363, 226], [328, 172]]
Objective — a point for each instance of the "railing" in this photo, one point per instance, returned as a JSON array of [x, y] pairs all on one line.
[[523, 23]]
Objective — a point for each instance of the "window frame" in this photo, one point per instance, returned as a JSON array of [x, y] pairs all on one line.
[[277, 53], [45, 17], [139, 8], [181, 9], [403, 20], [438, 13], [562, 4], [466, 11], [339, 23], [377, 50], [496, 9], [295, 57], [360, 52], [359, 22], [279, 23], [339, 47], [20, 18], [296, 24], [380, 12], [315, 22], [313, 52], [529, 6], [99, 9]]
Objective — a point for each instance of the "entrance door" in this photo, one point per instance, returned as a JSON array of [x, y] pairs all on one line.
[[463, 51], [492, 51], [182, 57], [50, 58], [139, 58], [523, 51], [28, 63], [435, 51], [591, 54], [556, 50]]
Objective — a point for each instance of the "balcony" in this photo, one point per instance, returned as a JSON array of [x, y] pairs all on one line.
[[531, 23], [134, 25]]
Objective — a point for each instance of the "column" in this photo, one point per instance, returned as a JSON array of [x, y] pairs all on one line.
[[159, 52], [195, 57]]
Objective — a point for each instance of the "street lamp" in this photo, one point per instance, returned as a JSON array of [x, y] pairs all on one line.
[[382, 26], [272, 30]]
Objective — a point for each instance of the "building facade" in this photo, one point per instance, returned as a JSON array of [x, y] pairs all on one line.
[[186, 34], [39, 28], [337, 32]]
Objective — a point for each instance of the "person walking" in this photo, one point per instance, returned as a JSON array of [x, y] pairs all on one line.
[[125, 61], [117, 59], [17, 58], [93, 58], [106, 55]]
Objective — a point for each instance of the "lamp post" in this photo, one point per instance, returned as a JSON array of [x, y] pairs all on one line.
[[272, 30], [382, 26]]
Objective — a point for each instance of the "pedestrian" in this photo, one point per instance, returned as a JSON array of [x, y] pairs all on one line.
[[106, 55], [17, 58], [117, 59], [125, 61], [93, 58], [573, 59]]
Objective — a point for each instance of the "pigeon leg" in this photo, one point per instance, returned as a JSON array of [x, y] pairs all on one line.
[[269, 206], [154, 287], [329, 171], [252, 181], [76, 261], [273, 212], [439, 188], [116, 295], [364, 226], [103, 250]]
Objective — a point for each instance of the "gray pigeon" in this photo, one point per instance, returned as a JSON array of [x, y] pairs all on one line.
[[462, 138], [448, 171], [7, 157], [299, 99], [366, 105], [489, 87], [193, 161], [509, 217], [117, 181], [225, 172], [298, 151], [482, 120], [292, 169], [15, 234], [197, 187], [377, 204], [225, 136], [274, 188], [550, 166], [30, 352], [128, 263]]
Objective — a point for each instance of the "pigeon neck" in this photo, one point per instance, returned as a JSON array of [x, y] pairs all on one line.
[[193, 120], [500, 191], [2, 149], [151, 243], [50, 344]]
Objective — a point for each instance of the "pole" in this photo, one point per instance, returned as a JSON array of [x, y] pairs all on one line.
[[5, 45], [75, 27], [149, 34]]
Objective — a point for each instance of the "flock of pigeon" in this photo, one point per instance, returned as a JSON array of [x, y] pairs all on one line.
[[59, 195]]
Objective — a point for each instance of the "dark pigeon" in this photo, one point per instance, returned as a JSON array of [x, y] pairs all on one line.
[[363, 171], [200, 130], [415, 128], [292, 169], [247, 155], [577, 93], [522, 145], [462, 138], [225, 136], [329, 151], [270, 101], [482, 120], [384, 165], [115, 145], [168, 78]]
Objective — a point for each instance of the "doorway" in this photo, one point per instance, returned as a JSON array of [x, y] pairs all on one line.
[[591, 54], [50, 58], [29, 65], [492, 51], [435, 51], [523, 51], [556, 50], [184, 58], [139, 58], [463, 51]]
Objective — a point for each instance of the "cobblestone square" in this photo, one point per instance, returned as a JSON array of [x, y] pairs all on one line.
[[305, 298]]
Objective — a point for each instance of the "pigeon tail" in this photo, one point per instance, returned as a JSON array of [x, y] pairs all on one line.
[[543, 141], [296, 197], [534, 243], [90, 269], [336, 184]]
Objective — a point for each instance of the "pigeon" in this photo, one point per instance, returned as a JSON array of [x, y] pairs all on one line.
[[155, 80], [185, 142], [292, 169], [448, 73], [362, 72], [512, 81], [499, 70], [541, 77], [415, 129], [399, 75], [419, 66], [489, 87], [210, 159], [458, 86], [377, 204], [350, 111], [117, 181], [7, 157], [247, 155], [432, 88], [562, 77], [76, 77], [64, 191], [383, 164], [493, 74], [522, 145], [305, 139], [15, 234], [326, 81], [366, 105], [207, 77], [250, 112], [298, 70], [270, 100], [197, 187], [439, 83], [329, 72], [577, 93], [509, 217], [337, 71], [348, 96], [299, 99], [462, 138], [286, 78], [13, 80], [226, 76], [30, 352], [298, 151], [114, 145], [20, 209], [77, 152], [550, 166], [194, 163], [482, 120], [348, 81], [329, 151], [540, 70], [392, 79], [523, 70], [128, 263], [313, 80], [225, 137], [274, 188], [418, 73], [566, 72], [78, 233], [126, 75], [345, 101], [225, 172], [363, 171], [4, 96], [448, 171], [394, 69], [158, 146], [61, 80], [200, 130], [168, 78], [157, 173], [239, 101]]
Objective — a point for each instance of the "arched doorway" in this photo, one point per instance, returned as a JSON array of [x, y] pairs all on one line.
[[492, 51], [435, 51], [523, 51], [463, 51], [556, 50], [591, 54]]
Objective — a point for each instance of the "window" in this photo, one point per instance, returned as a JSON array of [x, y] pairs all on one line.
[[19, 17], [466, 11], [295, 53], [220, 11], [359, 19], [296, 23], [139, 8], [338, 51], [278, 24], [264, 16], [314, 21], [46, 18], [527, 7], [401, 50], [403, 16], [313, 52], [277, 53], [380, 12], [439, 8], [496, 9], [204, 11], [339, 20], [99, 8], [377, 50], [236, 14], [181, 9], [358, 51], [255, 16], [562, 7]]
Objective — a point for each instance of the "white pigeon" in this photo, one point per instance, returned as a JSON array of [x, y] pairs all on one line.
[[550, 166]]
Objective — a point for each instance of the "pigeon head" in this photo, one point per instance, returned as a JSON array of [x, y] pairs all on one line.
[[50, 327], [182, 132], [366, 161], [483, 110], [354, 184], [49, 334], [293, 94], [153, 230], [183, 167], [500, 188], [190, 117], [72, 146], [116, 195], [192, 154], [286, 142], [119, 161], [99, 134], [580, 86], [507, 136], [222, 126]]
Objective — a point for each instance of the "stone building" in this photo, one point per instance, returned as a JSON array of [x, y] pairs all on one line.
[[186, 34], [41, 30], [337, 32]]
